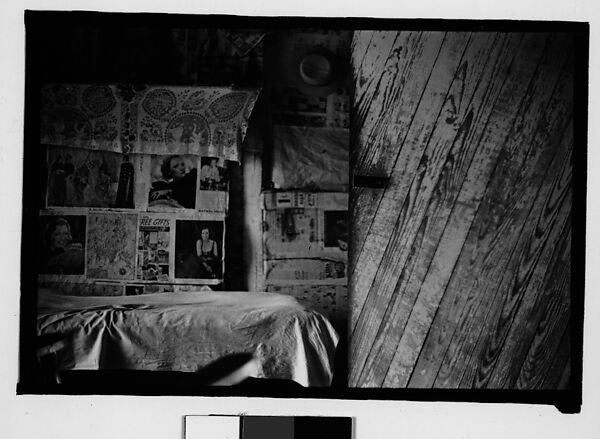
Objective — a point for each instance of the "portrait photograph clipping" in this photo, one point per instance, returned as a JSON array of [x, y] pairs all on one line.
[[173, 181], [62, 244], [198, 249]]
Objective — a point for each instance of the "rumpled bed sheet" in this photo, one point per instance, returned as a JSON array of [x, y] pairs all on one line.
[[187, 331]]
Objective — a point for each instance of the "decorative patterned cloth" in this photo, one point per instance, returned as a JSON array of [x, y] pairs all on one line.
[[205, 121]]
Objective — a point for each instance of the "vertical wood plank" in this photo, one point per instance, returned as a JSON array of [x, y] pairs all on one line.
[[252, 170]]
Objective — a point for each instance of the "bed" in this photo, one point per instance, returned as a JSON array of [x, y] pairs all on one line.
[[186, 332]]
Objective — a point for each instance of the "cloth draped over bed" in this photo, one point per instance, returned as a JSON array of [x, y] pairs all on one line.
[[204, 121], [187, 331]]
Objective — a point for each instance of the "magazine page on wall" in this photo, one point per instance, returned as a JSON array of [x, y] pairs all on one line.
[[213, 194], [199, 251], [173, 182], [62, 243], [93, 178]]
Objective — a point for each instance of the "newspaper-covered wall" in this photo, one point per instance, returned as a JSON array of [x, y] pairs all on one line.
[[143, 223], [307, 157], [79, 178], [131, 252], [142, 119], [305, 237]]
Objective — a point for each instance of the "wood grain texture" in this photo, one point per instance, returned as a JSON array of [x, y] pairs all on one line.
[[485, 259], [546, 359], [438, 162], [384, 223], [385, 105], [548, 223], [452, 262]]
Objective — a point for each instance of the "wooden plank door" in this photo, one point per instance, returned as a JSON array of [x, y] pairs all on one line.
[[460, 266]]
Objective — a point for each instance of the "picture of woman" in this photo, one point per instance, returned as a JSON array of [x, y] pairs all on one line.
[[206, 250], [198, 249], [173, 182], [62, 253]]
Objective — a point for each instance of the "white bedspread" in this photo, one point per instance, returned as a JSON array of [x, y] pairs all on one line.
[[186, 331]]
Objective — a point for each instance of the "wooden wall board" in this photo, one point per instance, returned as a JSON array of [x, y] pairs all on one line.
[[550, 313], [393, 199], [451, 262], [517, 288], [495, 229], [446, 143], [407, 178], [400, 87], [387, 107], [524, 281], [428, 172], [465, 206], [545, 360], [465, 304]]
